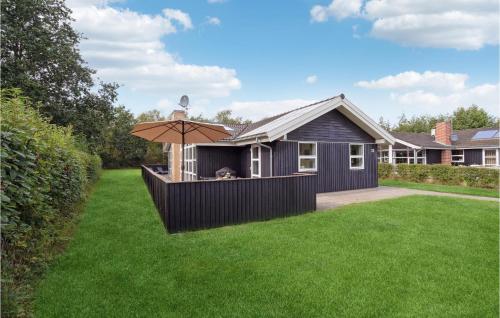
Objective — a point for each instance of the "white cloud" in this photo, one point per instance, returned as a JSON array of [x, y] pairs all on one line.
[[412, 79], [126, 47], [164, 104], [436, 91], [311, 79], [256, 110], [339, 9], [459, 24], [213, 20], [485, 95], [179, 16]]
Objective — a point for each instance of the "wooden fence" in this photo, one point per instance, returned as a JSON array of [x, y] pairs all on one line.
[[193, 205]]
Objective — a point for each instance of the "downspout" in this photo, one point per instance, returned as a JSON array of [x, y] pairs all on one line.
[[270, 155]]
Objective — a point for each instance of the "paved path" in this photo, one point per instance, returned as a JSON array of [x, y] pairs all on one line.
[[332, 200]]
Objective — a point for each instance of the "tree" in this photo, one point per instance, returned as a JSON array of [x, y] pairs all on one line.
[[40, 56], [121, 149], [418, 124], [384, 123], [154, 151], [222, 117], [472, 117]]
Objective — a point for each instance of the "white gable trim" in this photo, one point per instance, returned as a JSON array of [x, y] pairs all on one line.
[[348, 109], [407, 144]]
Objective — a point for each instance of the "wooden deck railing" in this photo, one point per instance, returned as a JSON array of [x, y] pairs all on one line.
[[185, 206]]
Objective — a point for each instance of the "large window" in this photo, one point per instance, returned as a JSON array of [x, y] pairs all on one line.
[[190, 167], [490, 157], [255, 153], [418, 157], [308, 156], [170, 160], [356, 156], [409, 156], [457, 156], [383, 156]]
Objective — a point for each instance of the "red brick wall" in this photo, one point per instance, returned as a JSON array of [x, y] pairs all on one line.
[[175, 171], [443, 136], [446, 157], [443, 133]]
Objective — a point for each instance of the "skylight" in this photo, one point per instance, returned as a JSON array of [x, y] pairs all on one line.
[[485, 134]]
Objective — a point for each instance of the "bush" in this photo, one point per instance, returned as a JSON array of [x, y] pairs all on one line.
[[385, 170], [441, 174], [44, 175]]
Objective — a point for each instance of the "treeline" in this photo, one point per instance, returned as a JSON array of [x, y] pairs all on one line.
[[462, 118], [40, 57]]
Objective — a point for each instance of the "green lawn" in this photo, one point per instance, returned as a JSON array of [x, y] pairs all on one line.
[[413, 256], [440, 188]]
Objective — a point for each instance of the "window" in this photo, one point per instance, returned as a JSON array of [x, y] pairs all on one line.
[[410, 156], [419, 156], [457, 156], [190, 166], [170, 160], [401, 156], [255, 153], [307, 156], [383, 156], [490, 157], [356, 156]]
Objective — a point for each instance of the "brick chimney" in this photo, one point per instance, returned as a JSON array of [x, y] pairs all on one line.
[[177, 114], [176, 152], [443, 136]]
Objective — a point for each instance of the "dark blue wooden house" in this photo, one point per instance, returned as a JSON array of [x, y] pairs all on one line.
[[332, 138]]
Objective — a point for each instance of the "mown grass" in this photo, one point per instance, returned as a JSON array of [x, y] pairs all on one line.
[[413, 256], [440, 188]]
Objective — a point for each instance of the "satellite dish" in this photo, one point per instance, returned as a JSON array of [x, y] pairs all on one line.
[[184, 102]]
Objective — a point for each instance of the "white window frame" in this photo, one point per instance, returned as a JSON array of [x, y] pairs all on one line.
[[315, 156], [189, 162], [496, 158], [383, 155], [411, 155], [252, 159], [362, 156], [461, 160]]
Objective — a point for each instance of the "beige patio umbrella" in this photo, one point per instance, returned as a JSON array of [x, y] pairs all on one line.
[[181, 132]]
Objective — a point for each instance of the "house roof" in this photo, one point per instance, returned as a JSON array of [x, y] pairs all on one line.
[[464, 139], [418, 139], [274, 127]]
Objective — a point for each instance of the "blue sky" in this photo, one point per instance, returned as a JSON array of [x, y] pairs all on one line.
[[255, 57]]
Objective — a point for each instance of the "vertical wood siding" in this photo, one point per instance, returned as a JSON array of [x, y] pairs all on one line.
[[433, 156], [285, 158], [332, 126], [212, 158], [245, 162], [333, 172], [265, 169], [185, 206], [473, 157]]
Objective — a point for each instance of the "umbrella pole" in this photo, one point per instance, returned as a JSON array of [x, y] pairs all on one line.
[[183, 155]]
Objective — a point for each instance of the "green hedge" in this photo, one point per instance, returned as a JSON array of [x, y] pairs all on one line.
[[44, 176], [441, 174]]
